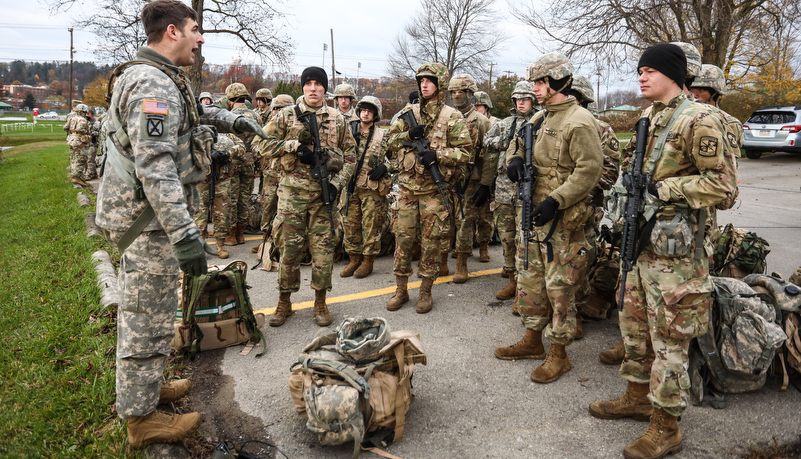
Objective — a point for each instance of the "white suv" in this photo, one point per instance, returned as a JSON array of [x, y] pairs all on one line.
[[772, 129]]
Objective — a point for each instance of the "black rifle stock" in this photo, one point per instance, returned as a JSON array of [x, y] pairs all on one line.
[[319, 169], [422, 145], [524, 189], [636, 183]]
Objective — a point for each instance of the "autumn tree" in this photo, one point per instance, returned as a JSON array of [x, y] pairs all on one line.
[[94, 93], [501, 95]]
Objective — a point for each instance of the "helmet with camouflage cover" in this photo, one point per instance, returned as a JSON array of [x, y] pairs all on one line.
[[712, 77], [361, 339], [437, 73], [582, 85], [205, 95], [373, 101], [463, 82], [223, 143], [693, 58], [235, 90], [82, 108], [524, 89], [281, 101], [264, 93], [555, 66], [344, 90], [482, 98], [75, 103]]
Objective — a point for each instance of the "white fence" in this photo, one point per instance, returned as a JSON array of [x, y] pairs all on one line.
[[22, 127]]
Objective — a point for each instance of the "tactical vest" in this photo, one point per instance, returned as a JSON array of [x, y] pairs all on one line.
[[372, 158], [438, 138], [329, 141]]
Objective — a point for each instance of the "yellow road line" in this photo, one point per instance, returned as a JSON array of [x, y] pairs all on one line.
[[377, 292]]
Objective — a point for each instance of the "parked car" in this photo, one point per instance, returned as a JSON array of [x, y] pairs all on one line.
[[48, 116], [774, 129]]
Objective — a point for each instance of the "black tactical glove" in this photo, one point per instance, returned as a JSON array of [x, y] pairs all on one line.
[[305, 154], [332, 191], [379, 171], [481, 195], [305, 137], [653, 190], [515, 170], [191, 255], [220, 157], [244, 124], [416, 132], [545, 212], [428, 158]]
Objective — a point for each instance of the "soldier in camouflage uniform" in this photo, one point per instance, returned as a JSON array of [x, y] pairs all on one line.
[[79, 138], [496, 141], [567, 156], [668, 293], [365, 204], [484, 105], [155, 157], [91, 150], [264, 98], [205, 98], [244, 167], [420, 205], [344, 98], [302, 217], [476, 186]]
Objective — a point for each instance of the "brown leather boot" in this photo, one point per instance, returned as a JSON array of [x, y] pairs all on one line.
[[579, 328], [662, 438], [508, 292], [355, 261], [483, 252], [613, 356], [366, 267], [460, 275], [221, 252], [321, 314], [424, 301], [555, 365], [443, 264], [230, 240], [530, 347], [240, 234], [401, 295], [160, 427], [633, 404], [172, 391], [282, 311], [515, 307]]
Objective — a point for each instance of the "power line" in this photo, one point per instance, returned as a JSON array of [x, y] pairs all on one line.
[[37, 26]]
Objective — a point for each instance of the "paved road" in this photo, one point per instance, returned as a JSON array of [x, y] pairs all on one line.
[[470, 405]]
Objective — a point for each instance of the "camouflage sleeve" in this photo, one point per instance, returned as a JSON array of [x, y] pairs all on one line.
[[83, 127], [275, 144], [218, 117], [488, 165], [611, 150], [459, 149], [515, 149], [585, 150], [348, 146], [493, 139], [398, 132]]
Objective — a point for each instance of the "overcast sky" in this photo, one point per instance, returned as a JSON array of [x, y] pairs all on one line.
[[363, 32]]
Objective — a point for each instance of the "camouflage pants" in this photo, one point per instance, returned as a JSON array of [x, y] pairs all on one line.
[[475, 218], [77, 162], [222, 207], [428, 211], [504, 215], [449, 224], [243, 188], [269, 199], [547, 290], [91, 165], [148, 301], [666, 304], [367, 211], [302, 221]]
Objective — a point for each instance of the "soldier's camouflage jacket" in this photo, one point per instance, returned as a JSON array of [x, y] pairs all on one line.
[[480, 166], [496, 141], [374, 155], [245, 163], [79, 131], [611, 150]]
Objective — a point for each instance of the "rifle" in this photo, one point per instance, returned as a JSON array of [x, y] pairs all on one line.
[[352, 183], [218, 158], [636, 183], [422, 145], [319, 170], [524, 189]]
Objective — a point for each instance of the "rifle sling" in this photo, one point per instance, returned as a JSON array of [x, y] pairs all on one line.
[[361, 160]]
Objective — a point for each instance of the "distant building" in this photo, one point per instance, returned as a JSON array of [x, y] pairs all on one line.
[[19, 91], [622, 110]]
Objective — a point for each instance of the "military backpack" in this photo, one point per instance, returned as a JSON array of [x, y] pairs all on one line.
[[739, 253]]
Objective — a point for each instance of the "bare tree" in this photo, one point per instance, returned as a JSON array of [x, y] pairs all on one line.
[[460, 34], [256, 24]]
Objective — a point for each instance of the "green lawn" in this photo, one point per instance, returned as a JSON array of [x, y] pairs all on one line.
[[13, 134], [58, 344]]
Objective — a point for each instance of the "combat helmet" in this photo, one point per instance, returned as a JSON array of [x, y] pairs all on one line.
[[223, 143], [373, 101], [281, 101], [435, 72], [582, 85], [361, 339], [81, 108], [236, 90], [344, 90], [524, 89], [712, 77], [693, 59], [551, 67], [205, 95], [264, 93], [482, 98], [463, 82]]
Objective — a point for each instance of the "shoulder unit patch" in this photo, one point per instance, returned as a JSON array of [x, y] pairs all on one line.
[[708, 146]]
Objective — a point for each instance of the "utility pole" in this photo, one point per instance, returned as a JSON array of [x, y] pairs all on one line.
[[598, 90], [325, 48], [508, 72], [69, 103], [357, 77], [333, 67], [492, 64]]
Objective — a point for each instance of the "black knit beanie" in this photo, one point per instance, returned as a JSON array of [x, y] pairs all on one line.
[[314, 73], [668, 59]]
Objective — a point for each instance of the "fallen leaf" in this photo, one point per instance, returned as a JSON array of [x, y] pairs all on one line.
[[584, 380]]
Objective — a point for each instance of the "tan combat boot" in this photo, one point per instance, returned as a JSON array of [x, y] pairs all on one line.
[[516, 307], [401, 295], [460, 275], [555, 365], [613, 356], [424, 301], [172, 391], [483, 252], [160, 427], [662, 438], [221, 252], [579, 328], [230, 240], [282, 311], [240, 234], [355, 261], [366, 267], [443, 264], [321, 314], [508, 292], [633, 404], [530, 347]]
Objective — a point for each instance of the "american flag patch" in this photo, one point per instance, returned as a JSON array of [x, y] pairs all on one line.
[[152, 106]]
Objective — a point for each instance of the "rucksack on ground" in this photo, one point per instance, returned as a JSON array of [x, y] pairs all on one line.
[[602, 279], [738, 253], [214, 311], [736, 352], [354, 384]]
